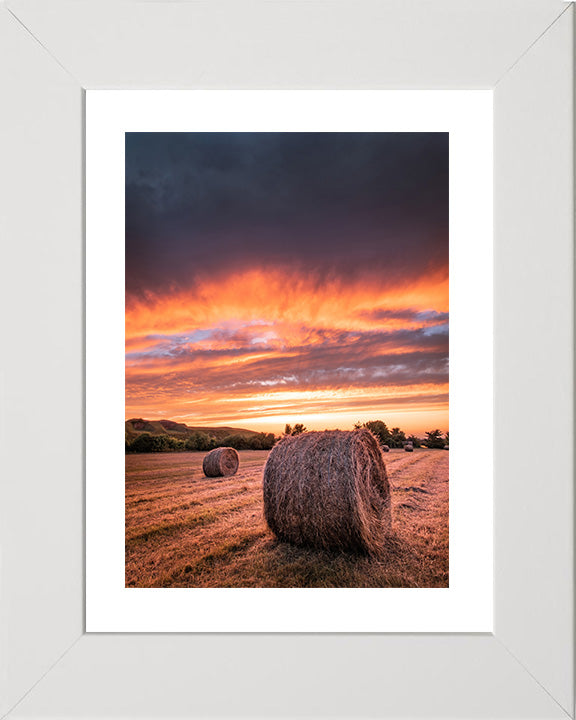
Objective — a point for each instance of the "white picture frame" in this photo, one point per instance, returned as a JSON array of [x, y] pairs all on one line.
[[52, 51]]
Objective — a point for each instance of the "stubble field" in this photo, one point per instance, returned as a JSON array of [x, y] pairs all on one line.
[[186, 530]]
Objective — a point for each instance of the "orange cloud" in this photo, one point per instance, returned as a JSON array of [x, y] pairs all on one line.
[[263, 348], [277, 296]]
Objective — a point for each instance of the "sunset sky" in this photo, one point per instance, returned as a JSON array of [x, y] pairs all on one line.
[[275, 278]]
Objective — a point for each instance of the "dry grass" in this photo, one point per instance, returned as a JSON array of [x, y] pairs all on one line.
[[186, 530], [328, 490]]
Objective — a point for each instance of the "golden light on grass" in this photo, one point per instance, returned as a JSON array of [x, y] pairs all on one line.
[[186, 530]]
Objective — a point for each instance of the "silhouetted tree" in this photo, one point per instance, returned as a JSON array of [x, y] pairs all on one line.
[[155, 443], [200, 441], [377, 428], [434, 439], [414, 440], [398, 437], [296, 430], [263, 441]]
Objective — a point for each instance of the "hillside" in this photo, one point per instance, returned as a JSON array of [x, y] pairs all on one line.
[[137, 426]]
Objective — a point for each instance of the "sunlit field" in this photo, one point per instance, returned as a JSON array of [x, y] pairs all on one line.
[[186, 530]]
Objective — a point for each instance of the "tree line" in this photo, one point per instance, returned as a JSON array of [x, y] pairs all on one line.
[[146, 443], [394, 438], [397, 438]]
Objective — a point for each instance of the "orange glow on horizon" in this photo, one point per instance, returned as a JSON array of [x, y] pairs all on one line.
[[262, 349]]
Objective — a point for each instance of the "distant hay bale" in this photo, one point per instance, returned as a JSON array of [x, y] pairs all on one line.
[[385, 448], [221, 461], [328, 490], [409, 447]]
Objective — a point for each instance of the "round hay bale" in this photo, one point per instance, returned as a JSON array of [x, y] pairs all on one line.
[[221, 461], [409, 447], [385, 448], [328, 490]]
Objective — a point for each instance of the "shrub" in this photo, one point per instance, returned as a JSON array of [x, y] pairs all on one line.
[[435, 440]]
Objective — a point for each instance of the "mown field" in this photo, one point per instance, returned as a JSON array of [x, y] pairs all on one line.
[[186, 530]]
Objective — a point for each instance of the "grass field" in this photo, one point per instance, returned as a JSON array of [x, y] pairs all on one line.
[[186, 530]]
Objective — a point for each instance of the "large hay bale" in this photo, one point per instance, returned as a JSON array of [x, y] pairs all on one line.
[[409, 447], [221, 461], [385, 448], [328, 490]]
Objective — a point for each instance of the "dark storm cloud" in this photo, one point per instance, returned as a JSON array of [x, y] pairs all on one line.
[[428, 317], [341, 204]]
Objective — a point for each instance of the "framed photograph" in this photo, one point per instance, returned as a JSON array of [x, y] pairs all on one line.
[[286, 299], [247, 217]]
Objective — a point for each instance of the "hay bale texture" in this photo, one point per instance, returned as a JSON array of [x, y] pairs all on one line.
[[328, 490], [221, 461], [385, 448], [409, 447]]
